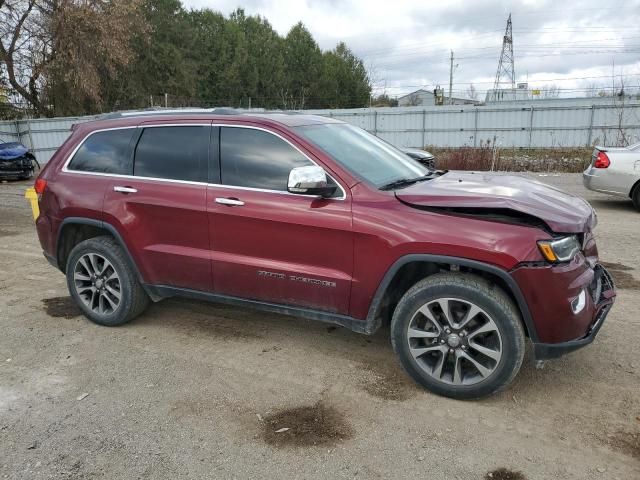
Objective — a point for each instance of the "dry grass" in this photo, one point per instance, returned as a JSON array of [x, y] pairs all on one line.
[[486, 157]]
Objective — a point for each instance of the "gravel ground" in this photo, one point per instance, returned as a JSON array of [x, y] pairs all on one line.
[[195, 390]]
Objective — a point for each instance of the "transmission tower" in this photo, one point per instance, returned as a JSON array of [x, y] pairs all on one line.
[[506, 69]]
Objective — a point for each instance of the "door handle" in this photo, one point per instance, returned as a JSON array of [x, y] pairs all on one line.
[[125, 190], [231, 202]]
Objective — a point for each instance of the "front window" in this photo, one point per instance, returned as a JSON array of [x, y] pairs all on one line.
[[363, 154]]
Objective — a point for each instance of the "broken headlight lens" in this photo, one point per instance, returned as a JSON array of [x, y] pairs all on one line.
[[560, 249]]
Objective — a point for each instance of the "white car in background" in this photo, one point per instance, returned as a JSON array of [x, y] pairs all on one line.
[[616, 171]]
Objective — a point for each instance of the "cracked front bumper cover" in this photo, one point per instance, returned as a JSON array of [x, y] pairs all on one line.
[[603, 293]]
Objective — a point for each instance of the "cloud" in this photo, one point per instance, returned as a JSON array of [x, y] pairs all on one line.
[[407, 44]]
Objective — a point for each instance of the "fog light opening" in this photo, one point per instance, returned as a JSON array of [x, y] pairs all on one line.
[[578, 303]]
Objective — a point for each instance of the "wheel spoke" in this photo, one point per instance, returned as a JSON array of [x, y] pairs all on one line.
[[457, 370], [437, 369], [419, 351], [470, 315], [415, 333], [85, 288], [113, 292], [444, 305], [482, 370], [113, 304], [487, 327], [82, 277], [424, 310], [85, 265], [494, 354], [93, 259]]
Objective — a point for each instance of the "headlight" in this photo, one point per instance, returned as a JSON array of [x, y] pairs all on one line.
[[559, 250]]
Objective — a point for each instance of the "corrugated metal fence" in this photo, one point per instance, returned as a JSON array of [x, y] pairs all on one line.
[[548, 125]]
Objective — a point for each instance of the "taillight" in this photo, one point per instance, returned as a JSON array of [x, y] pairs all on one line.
[[40, 186], [602, 161]]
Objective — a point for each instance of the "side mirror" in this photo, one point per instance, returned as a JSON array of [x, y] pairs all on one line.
[[311, 180]]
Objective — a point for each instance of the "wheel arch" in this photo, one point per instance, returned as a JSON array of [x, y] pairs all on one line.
[[634, 187], [410, 269], [73, 230]]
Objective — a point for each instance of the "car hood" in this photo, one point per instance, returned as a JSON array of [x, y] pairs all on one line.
[[482, 192], [12, 150]]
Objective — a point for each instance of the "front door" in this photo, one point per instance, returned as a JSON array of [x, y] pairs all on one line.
[[271, 245], [161, 208]]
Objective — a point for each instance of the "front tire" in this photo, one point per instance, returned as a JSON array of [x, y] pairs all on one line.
[[103, 284], [458, 335]]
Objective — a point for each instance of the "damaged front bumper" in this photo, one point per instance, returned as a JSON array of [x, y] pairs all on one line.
[[559, 329], [22, 167]]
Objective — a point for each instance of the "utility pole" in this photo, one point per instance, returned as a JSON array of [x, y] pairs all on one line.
[[451, 79]]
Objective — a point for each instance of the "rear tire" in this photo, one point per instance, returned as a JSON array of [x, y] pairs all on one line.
[[103, 284], [458, 335]]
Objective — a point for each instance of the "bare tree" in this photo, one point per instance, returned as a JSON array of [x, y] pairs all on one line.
[[550, 91], [472, 93], [414, 100], [51, 47]]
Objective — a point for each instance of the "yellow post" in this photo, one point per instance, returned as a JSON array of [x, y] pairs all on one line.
[[31, 195]]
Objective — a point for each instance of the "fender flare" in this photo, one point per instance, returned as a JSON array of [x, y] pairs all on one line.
[[373, 317], [105, 226]]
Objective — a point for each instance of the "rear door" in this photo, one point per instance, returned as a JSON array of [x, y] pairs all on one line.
[[271, 245], [160, 208]]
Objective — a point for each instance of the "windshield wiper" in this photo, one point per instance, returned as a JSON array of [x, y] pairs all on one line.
[[405, 182]]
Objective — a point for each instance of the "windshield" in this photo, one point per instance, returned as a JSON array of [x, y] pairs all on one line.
[[363, 154]]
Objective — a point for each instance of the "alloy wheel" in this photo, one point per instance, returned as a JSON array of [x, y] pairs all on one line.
[[97, 283], [454, 341]]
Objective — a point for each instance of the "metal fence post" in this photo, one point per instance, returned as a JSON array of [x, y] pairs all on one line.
[[475, 127], [375, 123], [531, 127], [593, 109], [424, 128], [32, 147]]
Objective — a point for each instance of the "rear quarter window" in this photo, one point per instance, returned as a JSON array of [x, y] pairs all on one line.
[[104, 152]]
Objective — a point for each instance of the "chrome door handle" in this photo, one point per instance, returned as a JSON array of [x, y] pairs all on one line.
[[125, 190], [232, 202]]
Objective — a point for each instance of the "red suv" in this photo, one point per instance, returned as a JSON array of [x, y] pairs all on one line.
[[312, 217]]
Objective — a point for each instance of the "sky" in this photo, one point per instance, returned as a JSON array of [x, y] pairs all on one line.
[[574, 46]]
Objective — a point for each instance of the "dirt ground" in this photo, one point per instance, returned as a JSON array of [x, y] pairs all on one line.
[[196, 390]]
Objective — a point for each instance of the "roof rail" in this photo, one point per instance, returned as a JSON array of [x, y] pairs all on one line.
[[167, 111]]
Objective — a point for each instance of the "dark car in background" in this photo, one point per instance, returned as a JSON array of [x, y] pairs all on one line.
[[425, 158], [16, 161]]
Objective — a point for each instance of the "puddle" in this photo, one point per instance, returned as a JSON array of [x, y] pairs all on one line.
[[615, 266], [308, 426], [504, 474], [61, 307], [625, 442], [621, 277]]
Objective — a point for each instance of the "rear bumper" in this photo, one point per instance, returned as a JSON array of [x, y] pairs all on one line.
[[600, 180]]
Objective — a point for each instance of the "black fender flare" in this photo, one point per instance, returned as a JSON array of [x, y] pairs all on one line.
[[373, 318], [105, 226]]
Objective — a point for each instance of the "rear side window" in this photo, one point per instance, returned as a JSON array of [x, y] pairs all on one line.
[[175, 153], [104, 152], [257, 159]]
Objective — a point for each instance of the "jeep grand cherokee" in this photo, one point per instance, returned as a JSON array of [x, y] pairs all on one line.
[[312, 217]]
